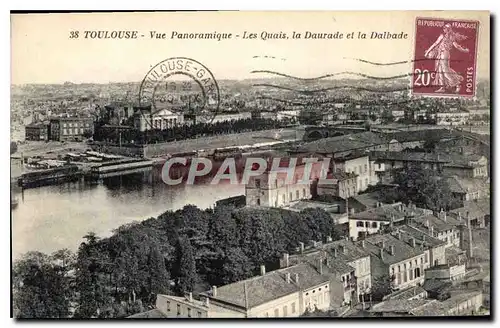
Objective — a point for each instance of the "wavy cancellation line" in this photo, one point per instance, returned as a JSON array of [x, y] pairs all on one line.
[[337, 74], [321, 102], [401, 62], [309, 92]]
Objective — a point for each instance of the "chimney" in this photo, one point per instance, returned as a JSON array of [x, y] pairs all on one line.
[[391, 249], [296, 278], [262, 270], [378, 204], [427, 224], [444, 216], [301, 245], [431, 231], [399, 235], [327, 262], [352, 210], [315, 243], [412, 242], [207, 302], [288, 278], [214, 291], [190, 297], [320, 266], [382, 244], [381, 253], [363, 244], [334, 252], [342, 249], [328, 239], [423, 238], [286, 260]]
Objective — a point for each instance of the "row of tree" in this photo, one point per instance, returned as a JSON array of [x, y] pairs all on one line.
[[183, 132], [188, 250]]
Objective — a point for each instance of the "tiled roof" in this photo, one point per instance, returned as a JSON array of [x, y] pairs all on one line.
[[402, 250], [347, 251], [422, 239], [436, 285], [151, 314], [464, 185], [424, 223], [408, 157], [461, 160], [369, 199], [405, 294], [344, 143], [400, 306], [386, 212], [271, 286], [475, 208], [420, 135]]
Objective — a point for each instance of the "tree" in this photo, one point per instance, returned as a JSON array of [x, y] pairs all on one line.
[[87, 134], [40, 289], [186, 267], [423, 187]]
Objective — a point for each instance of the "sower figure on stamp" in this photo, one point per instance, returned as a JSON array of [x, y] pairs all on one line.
[[445, 76]]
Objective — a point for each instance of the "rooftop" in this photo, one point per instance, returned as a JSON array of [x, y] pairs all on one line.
[[258, 290], [408, 157], [369, 199], [381, 243], [387, 212], [151, 314], [343, 143], [473, 208], [401, 306], [464, 185], [406, 294]]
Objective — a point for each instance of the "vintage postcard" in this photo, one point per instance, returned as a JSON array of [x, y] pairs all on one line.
[[250, 164]]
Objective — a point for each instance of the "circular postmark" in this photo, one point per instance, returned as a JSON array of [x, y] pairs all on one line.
[[178, 86]]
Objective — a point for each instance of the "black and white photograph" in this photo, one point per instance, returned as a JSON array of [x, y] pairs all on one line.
[[250, 164]]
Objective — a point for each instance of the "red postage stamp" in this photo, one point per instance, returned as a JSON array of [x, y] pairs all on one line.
[[445, 57]]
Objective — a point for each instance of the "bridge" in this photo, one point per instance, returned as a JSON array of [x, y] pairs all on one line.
[[318, 132]]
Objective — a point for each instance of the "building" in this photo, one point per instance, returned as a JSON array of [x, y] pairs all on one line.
[[374, 220], [446, 272], [337, 210], [466, 166], [395, 264], [363, 202], [407, 294], [384, 163], [465, 189], [460, 304], [70, 128], [37, 131], [145, 118], [273, 189], [452, 118], [287, 292], [475, 213], [224, 117], [353, 164], [345, 186], [440, 226], [184, 307], [341, 255]]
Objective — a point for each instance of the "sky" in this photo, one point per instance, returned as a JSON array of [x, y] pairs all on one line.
[[42, 51]]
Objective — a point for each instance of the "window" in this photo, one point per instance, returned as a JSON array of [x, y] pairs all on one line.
[[65, 132], [359, 224], [267, 314], [297, 193], [374, 224], [189, 312], [356, 170], [178, 309], [258, 201], [285, 310], [283, 198], [276, 312], [360, 169], [257, 183], [366, 182], [81, 131], [399, 268], [405, 276], [367, 224], [411, 274], [168, 306], [304, 193], [64, 125], [426, 258], [293, 307], [86, 125], [366, 168], [417, 273]]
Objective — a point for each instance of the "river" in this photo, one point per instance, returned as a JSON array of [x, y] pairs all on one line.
[[55, 217]]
